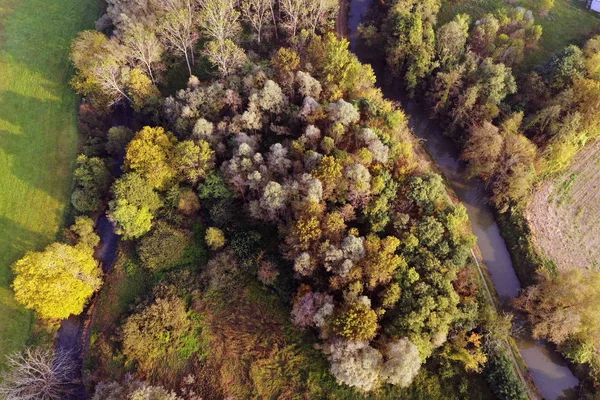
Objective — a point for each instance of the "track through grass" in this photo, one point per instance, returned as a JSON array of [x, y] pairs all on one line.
[[38, 136]]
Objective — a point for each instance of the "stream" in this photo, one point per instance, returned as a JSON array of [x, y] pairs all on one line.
[[547, 367], [72, 336]]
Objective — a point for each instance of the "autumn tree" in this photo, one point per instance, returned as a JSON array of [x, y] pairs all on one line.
[[177, 30], [219, 20], [144, 47], [564, 306], [58, 281], [150, 153], [164, 247], [160, 336]]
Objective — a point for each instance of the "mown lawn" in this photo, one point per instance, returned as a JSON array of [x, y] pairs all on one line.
[[38, 136], [569, 22]]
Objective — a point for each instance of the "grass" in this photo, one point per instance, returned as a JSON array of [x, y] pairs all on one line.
[[38, 136], [568, 23]]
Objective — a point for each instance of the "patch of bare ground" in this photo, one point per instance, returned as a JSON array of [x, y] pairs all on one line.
[[564, 213]]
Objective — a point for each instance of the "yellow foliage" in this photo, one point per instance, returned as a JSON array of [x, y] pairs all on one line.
[[150, 154], [58, 281]]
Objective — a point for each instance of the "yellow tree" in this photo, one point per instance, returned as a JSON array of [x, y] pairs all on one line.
[[58, 281], [150, 153]]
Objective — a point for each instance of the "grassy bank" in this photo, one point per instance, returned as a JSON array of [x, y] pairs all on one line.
[[38, 136]]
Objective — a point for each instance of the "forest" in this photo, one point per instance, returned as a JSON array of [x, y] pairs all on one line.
[[280, 231]]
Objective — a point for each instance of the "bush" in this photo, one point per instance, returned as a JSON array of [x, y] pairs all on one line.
[[161, 337], [502, 378], [164, 247]]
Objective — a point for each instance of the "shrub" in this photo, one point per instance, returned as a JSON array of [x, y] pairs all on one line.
[[164, 247], [161, 337]]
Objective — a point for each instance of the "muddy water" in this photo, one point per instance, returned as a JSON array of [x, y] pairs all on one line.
[[548, 369]]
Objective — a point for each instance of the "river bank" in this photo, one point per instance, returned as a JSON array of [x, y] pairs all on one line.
[[547, 367]]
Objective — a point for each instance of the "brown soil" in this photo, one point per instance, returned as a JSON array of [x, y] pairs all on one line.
[[564, 213]]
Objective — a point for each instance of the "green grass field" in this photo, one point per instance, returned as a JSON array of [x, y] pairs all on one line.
[[569, 22], [38, 136]]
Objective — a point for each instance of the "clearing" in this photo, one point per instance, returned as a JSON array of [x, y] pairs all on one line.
[[38, 136], [564, 212], [570, 22]]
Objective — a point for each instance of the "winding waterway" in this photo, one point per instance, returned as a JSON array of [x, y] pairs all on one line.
[[547, 368]]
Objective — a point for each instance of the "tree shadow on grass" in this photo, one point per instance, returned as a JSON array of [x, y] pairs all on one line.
[[15, 241], [38, 157]]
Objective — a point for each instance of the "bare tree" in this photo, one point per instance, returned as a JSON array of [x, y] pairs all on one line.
[[226, 55], [143, 47], [258, 14], [177, 28], [319, 12], [293, 11], [37, 374], [111, 79], [219, 19]]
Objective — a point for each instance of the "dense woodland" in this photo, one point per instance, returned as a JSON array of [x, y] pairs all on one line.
[[283, 236], [516, 127]]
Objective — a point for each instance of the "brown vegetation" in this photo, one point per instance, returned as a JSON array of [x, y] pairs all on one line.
[[564, 211]]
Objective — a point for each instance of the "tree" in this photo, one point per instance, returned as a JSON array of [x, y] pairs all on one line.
[[591, 51], [215, 239], [92, 180], [357, 322], [403, 362], [219, 20], [37, 374], [58, 281], [142, 91], [451, 41], [226, 55], [160, 337], [564, 306], [144, 47], [101, 68], [177, 30], [563, 67], [132, 390], [355, 364], [483, 150], [164, 247], [194, 160], [150, 154], [545, 7], [134, 205], [258, 13]]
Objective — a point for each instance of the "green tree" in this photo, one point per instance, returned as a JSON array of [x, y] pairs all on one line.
[[92, 180], [134, 205]]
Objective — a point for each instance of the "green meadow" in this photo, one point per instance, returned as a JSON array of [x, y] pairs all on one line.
[[38, 136]]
